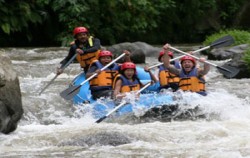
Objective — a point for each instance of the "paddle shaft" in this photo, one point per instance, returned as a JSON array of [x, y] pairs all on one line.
[[177, 50], [70, 61], [62, 67], [121, 104], [223, 41], [70, 92], [48, 84], [159, 64], [109, 64]]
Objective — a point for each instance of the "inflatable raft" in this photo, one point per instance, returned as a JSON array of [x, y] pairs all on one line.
[[84, 94], [149, 98]]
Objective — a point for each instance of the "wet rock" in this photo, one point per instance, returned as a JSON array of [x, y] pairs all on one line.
[[149, 50], [227, 53], [2, 79], [139, 50], [238, 63], [101, 138], [236, 54], [11, 109]]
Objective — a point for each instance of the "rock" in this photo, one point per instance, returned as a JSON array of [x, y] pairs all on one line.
[[238, 63], [149, 50], [100, 138], [2, 79], [139, 50], [235, 53], [11, 109], [226, 53]]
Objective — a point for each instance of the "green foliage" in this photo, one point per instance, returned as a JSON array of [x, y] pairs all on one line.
[[228, 9], [113, 21], [17, 15], [240, 37], [72, 13], [246, 57], [187, 17]]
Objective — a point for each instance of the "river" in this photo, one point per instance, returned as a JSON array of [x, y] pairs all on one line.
[[52, 127]]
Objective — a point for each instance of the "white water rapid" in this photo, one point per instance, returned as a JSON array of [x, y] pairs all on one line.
[[53, 127]]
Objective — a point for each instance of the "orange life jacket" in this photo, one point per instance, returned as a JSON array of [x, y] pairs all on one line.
[[86, 59], [191, 82], [127, 86], [104, 80], [165, 77]]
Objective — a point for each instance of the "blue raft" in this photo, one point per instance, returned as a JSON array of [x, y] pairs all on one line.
[[148, 99], [145, 103]]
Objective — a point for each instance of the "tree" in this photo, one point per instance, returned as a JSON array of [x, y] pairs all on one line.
[[50, 22], [16, 16]]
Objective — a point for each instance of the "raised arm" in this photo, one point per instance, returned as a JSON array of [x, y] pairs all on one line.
[[205, 69], [166, 61], [152, 76], [127, 56]]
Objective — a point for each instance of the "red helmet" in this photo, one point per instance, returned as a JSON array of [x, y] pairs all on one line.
[[162, 53], [188, 58], [104, 53], [80, 30], [171, 54], [128, 65]]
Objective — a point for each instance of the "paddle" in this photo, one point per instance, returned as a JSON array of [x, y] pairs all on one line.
[[121, 104], [70, 92], [62, 67], [221, 42], [233, 73], [229, 73]]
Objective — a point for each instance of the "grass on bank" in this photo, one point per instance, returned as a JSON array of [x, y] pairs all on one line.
[[240, 37]]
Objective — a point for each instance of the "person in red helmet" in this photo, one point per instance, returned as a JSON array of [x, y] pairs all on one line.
[[166, 78], [86, 47], [191, 77], [101, 85], [176, 63], [127, 80]]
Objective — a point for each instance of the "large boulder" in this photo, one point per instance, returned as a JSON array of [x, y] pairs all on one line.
[[139, 50], [236, 54], [11, 109], [227, 53]]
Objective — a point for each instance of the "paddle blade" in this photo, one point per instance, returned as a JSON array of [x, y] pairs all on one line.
[[223, 42], [70, 92], [228, 71]]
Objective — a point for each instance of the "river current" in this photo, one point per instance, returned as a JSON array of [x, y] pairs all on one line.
[[53, 127]]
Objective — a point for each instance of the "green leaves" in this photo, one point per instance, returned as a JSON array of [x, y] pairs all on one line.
[[246, 57], [6, 28], [154, 21], [16, 16], [240, 37]]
